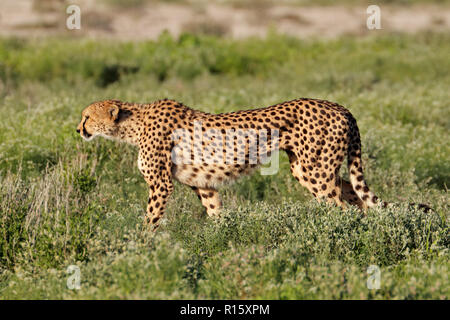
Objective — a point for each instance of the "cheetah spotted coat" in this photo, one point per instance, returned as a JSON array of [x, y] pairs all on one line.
[[317, 135]]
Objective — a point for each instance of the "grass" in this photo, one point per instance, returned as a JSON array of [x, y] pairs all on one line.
[[67, 202]]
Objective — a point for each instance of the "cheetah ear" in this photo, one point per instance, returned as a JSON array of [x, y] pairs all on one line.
[[114, 112]]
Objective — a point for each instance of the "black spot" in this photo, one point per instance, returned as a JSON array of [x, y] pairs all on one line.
[[155, 219]]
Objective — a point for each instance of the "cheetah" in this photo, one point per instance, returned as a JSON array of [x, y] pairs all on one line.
[[172, 139]]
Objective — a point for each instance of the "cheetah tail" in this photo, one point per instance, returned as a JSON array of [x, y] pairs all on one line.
[[357, 179], [355, 169]]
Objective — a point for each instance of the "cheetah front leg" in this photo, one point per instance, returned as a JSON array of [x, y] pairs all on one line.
[[157, 174], [210, 200], [157, 199]]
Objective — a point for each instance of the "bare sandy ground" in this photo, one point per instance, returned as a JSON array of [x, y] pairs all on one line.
[[24, 18]]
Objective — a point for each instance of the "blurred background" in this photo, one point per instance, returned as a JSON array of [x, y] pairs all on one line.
[[146, 19]]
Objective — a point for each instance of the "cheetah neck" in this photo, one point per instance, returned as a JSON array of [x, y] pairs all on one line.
[[130, 126], [136, 117]]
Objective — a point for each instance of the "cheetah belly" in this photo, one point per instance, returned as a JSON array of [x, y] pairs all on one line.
[[210, 175]]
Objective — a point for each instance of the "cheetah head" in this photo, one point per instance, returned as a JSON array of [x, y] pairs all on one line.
[[100, 118]]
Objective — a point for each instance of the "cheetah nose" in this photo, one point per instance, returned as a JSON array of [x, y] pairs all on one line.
[[78, 130]]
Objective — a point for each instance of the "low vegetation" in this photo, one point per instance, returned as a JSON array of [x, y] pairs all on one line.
[[64, 201]]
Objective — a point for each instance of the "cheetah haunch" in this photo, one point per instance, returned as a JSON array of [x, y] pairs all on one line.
[[316, 134]]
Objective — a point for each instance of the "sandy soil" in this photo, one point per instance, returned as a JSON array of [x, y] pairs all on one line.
[[25, 18]]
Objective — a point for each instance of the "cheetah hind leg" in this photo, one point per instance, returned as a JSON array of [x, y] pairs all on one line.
[[350, 195], [210, 200], [331, 191]]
